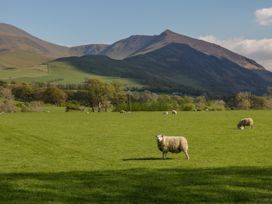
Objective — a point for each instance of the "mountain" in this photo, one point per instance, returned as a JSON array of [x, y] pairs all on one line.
[[91, 49], [20, 49], [176, 67], [141, 44], [168, 62], [127, 47], [17, 48]]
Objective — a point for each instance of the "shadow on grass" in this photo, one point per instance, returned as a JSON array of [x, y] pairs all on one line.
[[236, 184], [144, 159]]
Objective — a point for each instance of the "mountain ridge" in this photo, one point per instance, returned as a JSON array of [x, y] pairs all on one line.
[[168, 61]]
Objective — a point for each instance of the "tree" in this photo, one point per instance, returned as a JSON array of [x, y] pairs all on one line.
[[54, 95], [200, 103], [242, 100], [23, 92], [257, 102], [99, 93]]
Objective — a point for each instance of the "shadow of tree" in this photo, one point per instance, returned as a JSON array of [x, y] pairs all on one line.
[[235, 184]]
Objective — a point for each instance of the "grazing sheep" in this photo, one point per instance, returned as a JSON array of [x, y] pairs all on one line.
[[122, 111], [174, 144], [174, 112], [165, 113], [245, 122]]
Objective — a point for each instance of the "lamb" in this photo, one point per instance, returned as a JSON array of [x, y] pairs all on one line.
[[165, 113], [174, 112], [174, 144], [245, 122]]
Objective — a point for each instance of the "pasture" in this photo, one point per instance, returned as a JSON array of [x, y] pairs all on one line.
[[75, 157], [58, 73]]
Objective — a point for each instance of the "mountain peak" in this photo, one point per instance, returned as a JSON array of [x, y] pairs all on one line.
[[168, 32]]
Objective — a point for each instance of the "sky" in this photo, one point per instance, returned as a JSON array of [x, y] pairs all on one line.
[[244, 26]]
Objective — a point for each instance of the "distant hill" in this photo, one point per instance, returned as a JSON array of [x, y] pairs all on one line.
[[167, 62], [20, 49], [127, 47], [92, 49], [141, 44], [177, 67]]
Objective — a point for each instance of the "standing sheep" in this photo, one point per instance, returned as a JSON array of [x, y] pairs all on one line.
[[165, 113], [174, 144], [174, 112], [245, 122]]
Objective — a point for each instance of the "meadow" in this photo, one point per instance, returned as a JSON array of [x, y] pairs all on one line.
[[76, 157], [58, 73]]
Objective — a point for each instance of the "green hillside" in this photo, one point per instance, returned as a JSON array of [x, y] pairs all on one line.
[[60, 73], [57, 157]]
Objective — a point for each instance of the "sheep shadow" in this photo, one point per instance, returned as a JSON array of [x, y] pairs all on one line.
[[145, 159], [140, 185]]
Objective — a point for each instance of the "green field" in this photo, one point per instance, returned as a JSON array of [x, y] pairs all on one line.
[[58, 73], [75, 157]]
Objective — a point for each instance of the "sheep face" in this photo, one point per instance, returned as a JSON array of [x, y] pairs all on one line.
[[159, 138]]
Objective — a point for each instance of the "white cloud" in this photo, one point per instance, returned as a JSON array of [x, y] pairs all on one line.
[[264, 16], [259, 50]]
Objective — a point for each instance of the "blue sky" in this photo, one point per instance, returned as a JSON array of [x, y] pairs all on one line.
[[244, 26], [71, 22]]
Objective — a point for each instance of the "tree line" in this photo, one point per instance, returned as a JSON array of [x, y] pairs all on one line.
[[100, 96]]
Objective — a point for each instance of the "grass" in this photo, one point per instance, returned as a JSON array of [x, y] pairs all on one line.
[[76, 157], [58, 73], [21, 59]]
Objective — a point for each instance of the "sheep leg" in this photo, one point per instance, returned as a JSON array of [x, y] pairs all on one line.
[[163, 155], [187, 155]]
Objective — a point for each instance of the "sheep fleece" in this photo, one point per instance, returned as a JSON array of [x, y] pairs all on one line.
[[173, 144]]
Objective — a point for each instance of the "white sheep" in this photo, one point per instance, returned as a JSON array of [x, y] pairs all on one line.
[[174, 112], [165, 113], [173, 144], [245, 122]]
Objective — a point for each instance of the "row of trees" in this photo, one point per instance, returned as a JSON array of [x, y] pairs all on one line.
[[100, 96]]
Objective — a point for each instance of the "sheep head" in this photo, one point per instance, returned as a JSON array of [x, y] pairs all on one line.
[[159, 138]]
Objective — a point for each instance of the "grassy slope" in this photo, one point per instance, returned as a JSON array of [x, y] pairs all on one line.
[[20, 59], [59, 73], [60, 157]]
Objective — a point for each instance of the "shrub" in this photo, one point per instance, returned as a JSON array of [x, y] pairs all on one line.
[[54, 95], [217, 105], [34, 106], [6, 93], [8, 106], [73, 106]]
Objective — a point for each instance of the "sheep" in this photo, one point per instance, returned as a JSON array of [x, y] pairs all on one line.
[[173, 144], [122, 111], [245, 122], [174, 112], [165, 113]]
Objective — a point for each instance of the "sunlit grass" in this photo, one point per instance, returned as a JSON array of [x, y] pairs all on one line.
[[58, 157]]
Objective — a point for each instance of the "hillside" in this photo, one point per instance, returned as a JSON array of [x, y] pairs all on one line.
[[16, 45], [176, 67], [19, 49], [141, 44], [127, 47], [92, 49], [166, 62]]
